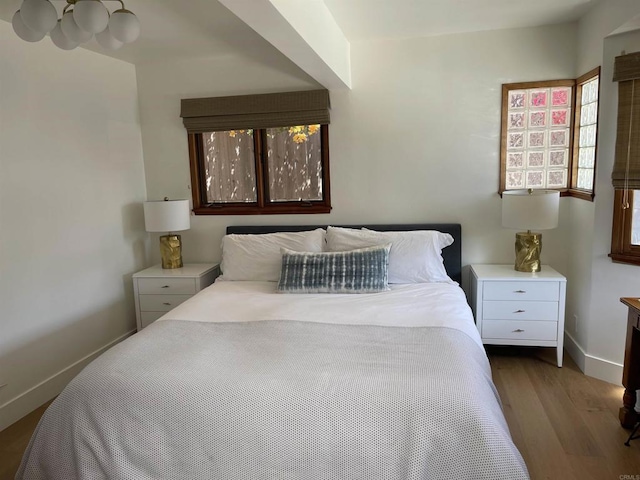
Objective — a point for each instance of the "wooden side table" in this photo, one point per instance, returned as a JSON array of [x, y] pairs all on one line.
[[631, 372]]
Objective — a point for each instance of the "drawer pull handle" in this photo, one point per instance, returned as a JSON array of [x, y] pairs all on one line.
[[520, 291], [165, 286], [519, 330], [519, 311], [166, 303]]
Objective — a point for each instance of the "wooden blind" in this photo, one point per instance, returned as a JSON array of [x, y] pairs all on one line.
[[215, 114], [626, 168], [627, 67]]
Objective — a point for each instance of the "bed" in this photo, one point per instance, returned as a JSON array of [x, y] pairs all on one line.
[[241, 382]]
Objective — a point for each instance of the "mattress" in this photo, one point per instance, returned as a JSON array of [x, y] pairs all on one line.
[[408, 305], [242, 383]]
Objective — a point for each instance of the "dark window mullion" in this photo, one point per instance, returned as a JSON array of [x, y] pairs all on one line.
[[627, 225], [260, 167], [574, 146], [261, 158], [324, 152], [198, 169]]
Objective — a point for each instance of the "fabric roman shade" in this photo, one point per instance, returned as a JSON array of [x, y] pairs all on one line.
[[201, 115], [626, 169]]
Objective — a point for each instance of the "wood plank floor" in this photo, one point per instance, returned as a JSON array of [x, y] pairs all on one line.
[[14, 440], [564, 423]]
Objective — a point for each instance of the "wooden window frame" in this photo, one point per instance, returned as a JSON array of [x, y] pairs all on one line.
[[263, 205], [622, 250], [505, 110], [624, 175], [574, 128], [574, 191]]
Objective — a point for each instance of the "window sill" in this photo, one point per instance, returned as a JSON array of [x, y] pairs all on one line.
[[581, 194], [625, 258], [285, 209]]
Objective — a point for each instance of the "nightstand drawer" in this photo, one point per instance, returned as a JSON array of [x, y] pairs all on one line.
[[512, 310], [158, 290], [147, 318], [161, 303], [513, 290], [150, 286], [516, 330]]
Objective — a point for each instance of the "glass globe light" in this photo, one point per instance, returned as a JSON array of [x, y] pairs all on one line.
[[71, 29], [60, 40], [91, 15], [24, 32], [108, 41], [124, 26], [39, 15]]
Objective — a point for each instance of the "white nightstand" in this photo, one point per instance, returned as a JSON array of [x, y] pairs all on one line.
[[158, 290], [517, 308]]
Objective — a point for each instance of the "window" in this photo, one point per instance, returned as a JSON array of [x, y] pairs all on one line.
[[540, 121], [625, 241], [625, 237], [585, 135], [249, 154]]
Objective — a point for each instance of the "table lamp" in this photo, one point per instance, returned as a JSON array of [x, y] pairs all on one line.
[[168, 216], [530, 210]]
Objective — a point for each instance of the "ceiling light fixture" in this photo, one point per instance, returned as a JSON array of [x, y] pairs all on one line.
[[80, 21]]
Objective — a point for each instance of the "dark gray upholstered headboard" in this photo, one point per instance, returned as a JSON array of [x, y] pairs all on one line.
[[452, 255]]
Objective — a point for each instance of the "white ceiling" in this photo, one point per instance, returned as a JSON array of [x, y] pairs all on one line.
[[172, 29], [372, 19], [195, 28]]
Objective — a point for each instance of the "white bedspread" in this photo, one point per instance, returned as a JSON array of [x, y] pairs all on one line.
[[242, 384], [412, 305]]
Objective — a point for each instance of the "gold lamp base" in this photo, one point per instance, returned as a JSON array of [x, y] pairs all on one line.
[[171, 251], [528, 248]]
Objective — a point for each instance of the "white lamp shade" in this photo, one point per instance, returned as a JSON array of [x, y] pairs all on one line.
[[167, 216], [71, 29], [24, 32], [535, 210], [39, 15], [60, 40], [91, 15], [106, 40], [124, 26]]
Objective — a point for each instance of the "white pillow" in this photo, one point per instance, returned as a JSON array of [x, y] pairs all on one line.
[[415, 256], [258, 257]]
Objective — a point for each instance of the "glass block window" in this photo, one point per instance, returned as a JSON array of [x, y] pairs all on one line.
[[548, 138], [538, 135], [635, 219], [586, 133]]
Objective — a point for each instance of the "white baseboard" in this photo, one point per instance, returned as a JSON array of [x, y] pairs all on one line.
[[575, 351], [27, 402], [593, 366]]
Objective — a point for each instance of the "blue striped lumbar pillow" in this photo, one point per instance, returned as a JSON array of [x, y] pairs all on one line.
[[364, 270]]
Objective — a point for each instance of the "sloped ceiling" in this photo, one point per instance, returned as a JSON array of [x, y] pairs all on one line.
[[173, 29]]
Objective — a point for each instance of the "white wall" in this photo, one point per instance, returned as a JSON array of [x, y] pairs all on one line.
[[161, 86], [608, 320], [71, 187], [415, 140], [596, 339]]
